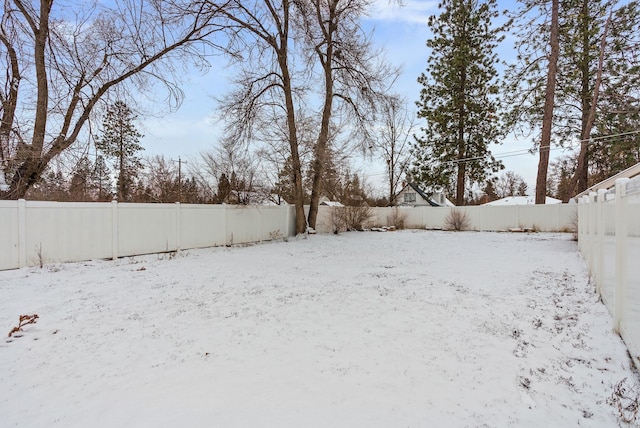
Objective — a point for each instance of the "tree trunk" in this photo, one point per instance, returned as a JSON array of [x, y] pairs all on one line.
[[580, 178], [320, 152], [547, 118], [462, 170], [462, 149], [283, 51]]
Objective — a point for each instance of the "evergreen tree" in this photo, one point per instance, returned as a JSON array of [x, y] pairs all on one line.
[[489, 191], [582, 25], [284, 187], [616, 146], [81, 185], [52, 186], [458, 100], [120, 141], [101, 175]]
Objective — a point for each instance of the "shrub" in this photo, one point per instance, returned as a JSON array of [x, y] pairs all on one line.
[[337, 220], [357, 217], [397, 219], [342, 219], [457, 220]]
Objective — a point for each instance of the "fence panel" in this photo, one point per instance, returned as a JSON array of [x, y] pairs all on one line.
[[273, 222], [9, 226], [243, 224], [630, 323], [203, 226], [146, 228], [545, 218], [69, 232], [32, 232], [609, 241], [607, 267]]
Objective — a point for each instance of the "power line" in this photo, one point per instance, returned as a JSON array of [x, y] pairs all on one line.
[[522, 152], [532, 151]]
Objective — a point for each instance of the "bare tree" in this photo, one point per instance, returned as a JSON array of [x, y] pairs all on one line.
[[510, 184], [354, 76], [393, 141], [160, 179], [61, 67], [260, 38], [238, 165]]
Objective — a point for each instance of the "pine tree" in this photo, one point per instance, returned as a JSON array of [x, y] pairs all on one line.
[[81, 185], [284, 187], [120, 141], [101, 175], [459, 98], [581, 35], [617, 146]]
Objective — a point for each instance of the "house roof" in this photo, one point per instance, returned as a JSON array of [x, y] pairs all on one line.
[[332, 203], [522, 200], [424, 195], [611, 181]]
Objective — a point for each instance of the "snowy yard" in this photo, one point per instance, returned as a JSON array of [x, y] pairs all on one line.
[[397, 329]]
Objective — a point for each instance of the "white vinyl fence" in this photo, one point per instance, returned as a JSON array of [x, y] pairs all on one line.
[[32, 232], [609, 240], [543, 218]]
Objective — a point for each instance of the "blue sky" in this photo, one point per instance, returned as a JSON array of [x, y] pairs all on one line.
[[400, 31]]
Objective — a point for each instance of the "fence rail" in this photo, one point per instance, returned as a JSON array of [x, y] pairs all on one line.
[[609, 241], [32, 232]]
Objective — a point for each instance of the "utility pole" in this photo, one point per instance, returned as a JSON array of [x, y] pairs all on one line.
[[180, 162]]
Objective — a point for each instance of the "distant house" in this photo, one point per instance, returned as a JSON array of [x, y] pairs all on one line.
[[412, 195], [522, 200], [328, 203]]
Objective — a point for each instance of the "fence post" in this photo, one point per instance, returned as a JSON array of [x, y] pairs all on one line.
[[178, 222], [593, 238], [22, 233], [621, 250], [583, 221], [114, 230], [599, 265]]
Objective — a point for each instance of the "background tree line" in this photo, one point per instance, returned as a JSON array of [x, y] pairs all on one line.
[[311, 92]]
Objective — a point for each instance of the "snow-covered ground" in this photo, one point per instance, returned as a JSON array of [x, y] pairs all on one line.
[[396, 329]]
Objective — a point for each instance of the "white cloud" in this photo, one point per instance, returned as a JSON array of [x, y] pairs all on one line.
[[412, 11]]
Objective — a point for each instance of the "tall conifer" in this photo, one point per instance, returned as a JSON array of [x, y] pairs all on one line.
[[459, 98], [120, 141]]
